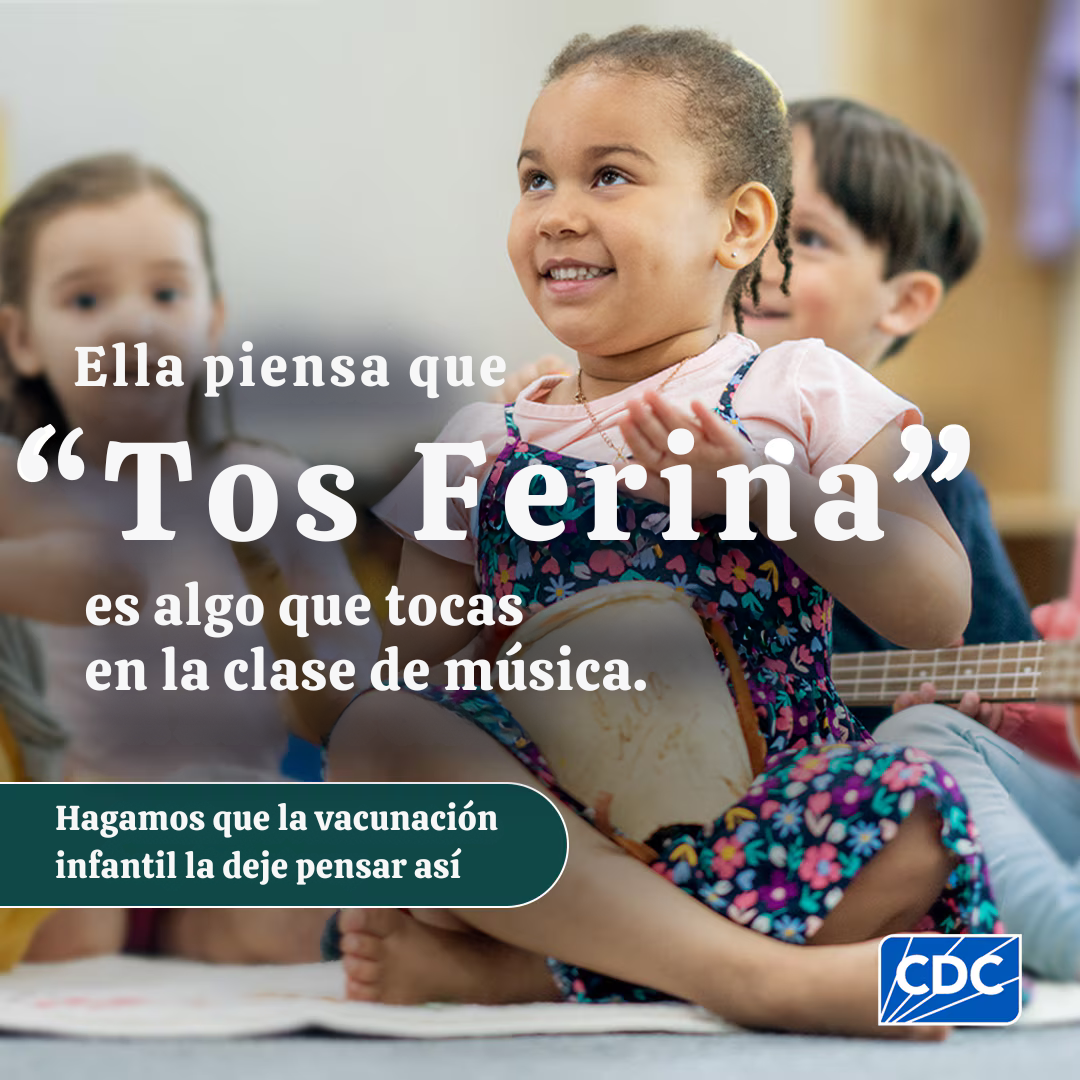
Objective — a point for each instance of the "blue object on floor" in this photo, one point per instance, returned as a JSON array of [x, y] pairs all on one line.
[[302, 761]]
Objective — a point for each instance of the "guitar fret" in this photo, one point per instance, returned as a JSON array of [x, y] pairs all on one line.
[[1001, 672]]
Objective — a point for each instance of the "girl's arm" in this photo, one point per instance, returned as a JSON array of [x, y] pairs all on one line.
[[422, 571], [286, 564], [52, 560], [913, 585], [51, 576]]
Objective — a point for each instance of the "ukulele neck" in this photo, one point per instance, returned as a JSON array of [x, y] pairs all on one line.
[[1014, 671]]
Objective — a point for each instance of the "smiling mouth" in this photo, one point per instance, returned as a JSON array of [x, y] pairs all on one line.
[[765, 313], [577, 273]]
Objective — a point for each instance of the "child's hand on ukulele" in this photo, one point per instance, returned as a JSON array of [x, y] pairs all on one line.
[[987, 713], [717, 445]]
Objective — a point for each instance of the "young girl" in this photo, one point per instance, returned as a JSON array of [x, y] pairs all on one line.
[[101, 251], [650, 173]]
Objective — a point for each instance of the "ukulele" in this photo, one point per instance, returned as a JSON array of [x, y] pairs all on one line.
[[1010, 671]]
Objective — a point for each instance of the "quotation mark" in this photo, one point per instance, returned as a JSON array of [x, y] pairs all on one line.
[[33, 467], [919, 445]]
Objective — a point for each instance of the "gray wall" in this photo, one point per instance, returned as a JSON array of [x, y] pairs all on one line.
[[358, 158]]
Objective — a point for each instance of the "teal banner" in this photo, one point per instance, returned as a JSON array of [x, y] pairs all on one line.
[[278, 845]]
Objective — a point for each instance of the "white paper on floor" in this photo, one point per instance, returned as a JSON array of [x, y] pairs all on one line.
[[130, 997], [144, 998]]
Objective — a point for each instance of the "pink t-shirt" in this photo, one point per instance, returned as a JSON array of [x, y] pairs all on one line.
[[827, 406]]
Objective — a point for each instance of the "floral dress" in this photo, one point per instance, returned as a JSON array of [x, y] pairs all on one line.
[[828, 798]]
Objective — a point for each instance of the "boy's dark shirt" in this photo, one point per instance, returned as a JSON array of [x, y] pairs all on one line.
[[999, 611]]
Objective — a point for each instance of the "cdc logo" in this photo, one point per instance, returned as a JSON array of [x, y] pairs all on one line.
[[949, 979]]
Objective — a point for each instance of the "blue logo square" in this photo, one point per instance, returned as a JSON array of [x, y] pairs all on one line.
[[971, 979]]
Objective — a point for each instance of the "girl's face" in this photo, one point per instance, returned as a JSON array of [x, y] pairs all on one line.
[[127, 271], [614, 239]]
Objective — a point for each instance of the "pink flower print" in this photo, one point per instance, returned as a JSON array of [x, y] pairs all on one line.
[[785, 720], [551, 566], [606, 561], [903, 774], [809, 766], [496, 472], [819, 867], [820, 617], [784, 603], [678, 565], [746, 900], [505, 575], [734, 571], [728, 857]]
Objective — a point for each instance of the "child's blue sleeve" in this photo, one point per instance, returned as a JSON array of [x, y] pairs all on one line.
[[999, 609]]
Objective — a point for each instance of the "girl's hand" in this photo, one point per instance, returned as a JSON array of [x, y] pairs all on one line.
[[717, 445]]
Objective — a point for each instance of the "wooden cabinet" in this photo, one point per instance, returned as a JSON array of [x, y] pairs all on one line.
[[959, 71]]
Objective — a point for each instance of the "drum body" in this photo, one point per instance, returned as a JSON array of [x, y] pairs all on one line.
[[670, 753]]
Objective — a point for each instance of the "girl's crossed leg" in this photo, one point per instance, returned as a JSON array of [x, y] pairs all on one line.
[[610, 913]]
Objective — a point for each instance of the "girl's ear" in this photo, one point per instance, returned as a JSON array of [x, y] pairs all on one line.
[[15, 334], [916, 295], [750, 220]]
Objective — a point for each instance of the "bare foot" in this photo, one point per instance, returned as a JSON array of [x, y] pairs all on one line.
[[824, 990], [390, 956], [78, 933]]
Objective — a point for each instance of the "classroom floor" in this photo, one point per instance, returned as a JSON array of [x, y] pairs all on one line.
[[981, 1054]]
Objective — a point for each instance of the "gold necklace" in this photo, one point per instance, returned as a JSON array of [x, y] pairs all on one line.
[[580, 398]]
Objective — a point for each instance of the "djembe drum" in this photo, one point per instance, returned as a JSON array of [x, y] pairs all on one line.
[[677, 751]]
